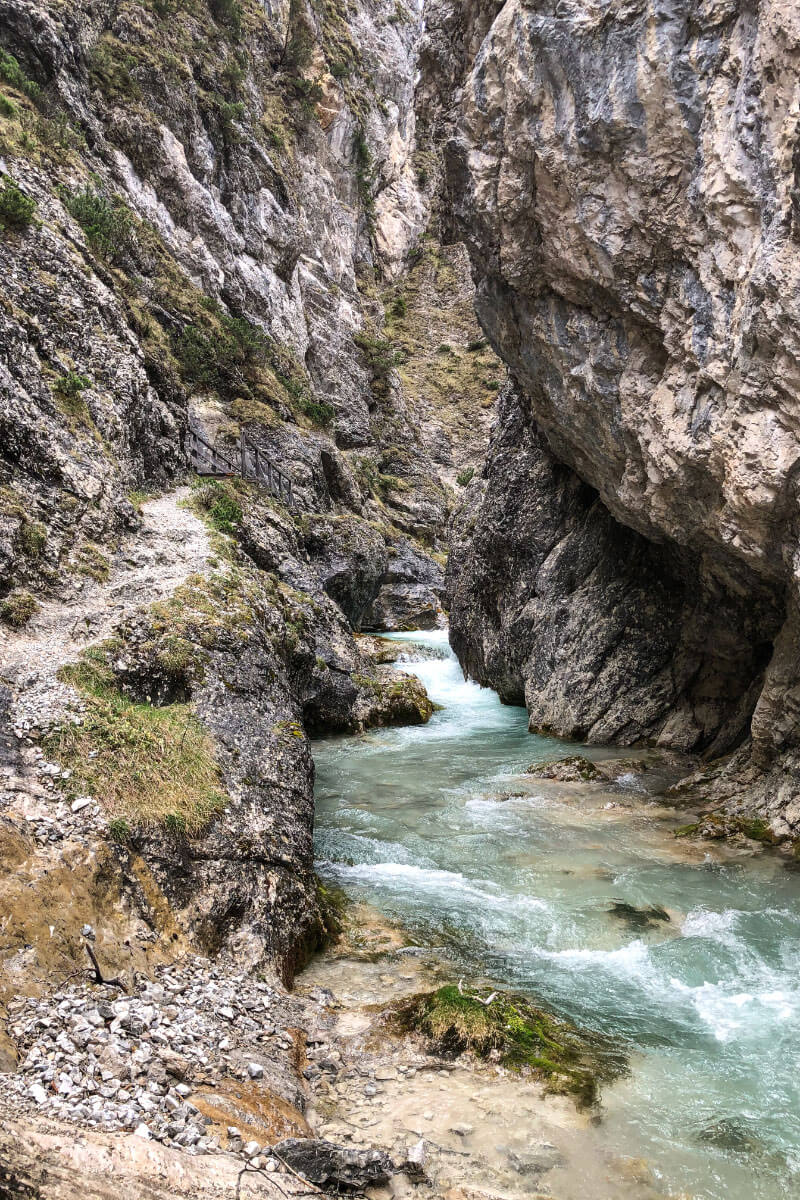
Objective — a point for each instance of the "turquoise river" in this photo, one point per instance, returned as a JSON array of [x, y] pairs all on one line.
[[439, 827]]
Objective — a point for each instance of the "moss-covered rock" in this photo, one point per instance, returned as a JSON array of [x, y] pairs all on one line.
[[513, 1031]]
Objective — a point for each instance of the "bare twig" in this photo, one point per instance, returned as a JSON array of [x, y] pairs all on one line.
[[296, 1174], [98, 974]]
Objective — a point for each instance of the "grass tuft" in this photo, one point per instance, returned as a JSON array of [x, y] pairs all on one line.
[[18, 608], [148, 766]]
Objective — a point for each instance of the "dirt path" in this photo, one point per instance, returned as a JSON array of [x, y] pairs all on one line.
[[171, 545]]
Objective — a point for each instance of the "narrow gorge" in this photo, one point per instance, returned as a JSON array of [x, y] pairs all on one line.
[[399, 613]]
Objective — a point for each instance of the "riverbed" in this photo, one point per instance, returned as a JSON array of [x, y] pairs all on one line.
[[515, 879]]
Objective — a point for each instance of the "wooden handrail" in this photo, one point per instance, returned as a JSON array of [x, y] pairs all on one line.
[[252, 464]]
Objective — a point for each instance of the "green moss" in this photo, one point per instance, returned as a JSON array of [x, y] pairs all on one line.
[[148, 766], [90, 560], [18, 608], [333, 904], [756, 829], [288, 729], [570, 1061], [687, 830]]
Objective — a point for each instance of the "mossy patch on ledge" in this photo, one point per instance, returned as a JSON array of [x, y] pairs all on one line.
[[511, 1030], [148, 766]]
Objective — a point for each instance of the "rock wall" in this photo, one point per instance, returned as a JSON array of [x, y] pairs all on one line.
[[604, 635], [625, 178], [216, 215]]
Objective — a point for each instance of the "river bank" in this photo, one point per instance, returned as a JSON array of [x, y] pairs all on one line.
[[581, 896]]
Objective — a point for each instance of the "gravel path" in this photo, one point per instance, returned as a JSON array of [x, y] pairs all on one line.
[[171, 545]]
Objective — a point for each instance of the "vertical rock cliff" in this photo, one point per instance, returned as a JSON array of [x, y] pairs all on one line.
[[625, 178]]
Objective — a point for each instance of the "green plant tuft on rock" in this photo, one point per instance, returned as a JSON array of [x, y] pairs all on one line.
[[71, 385], [217, 500], [12, 74], [571, 1061], [18, 608], [16, 209], [119, 830], [32, 538], [108, 224], [464, 477]]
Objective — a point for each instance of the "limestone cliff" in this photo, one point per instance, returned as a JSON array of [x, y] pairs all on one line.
[[215, 215], [625, 177]]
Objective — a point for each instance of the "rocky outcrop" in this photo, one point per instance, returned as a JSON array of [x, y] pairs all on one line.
[[625, 181], [606, 636]]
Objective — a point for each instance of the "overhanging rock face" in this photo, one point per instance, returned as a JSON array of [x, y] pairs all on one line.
[[625, 180]]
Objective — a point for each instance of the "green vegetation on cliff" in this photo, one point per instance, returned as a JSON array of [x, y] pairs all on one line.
[[148, 766]]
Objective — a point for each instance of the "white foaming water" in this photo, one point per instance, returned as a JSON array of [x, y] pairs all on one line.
[[419, 822], [717, 925], [450, 883], [728, 1013]]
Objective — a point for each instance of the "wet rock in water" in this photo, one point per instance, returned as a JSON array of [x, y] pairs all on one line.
[[639, 918], [575, 769], [732, 1133], [536, 1159], [326, 1164]]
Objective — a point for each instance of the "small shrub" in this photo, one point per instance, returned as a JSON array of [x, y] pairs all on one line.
[[231, 112], [464, 477], [16, 209], [119, 830], [12, 74], [476, 345], [54, 131], [228, 13], [320, 412], [18, 608], [365, 173], [108, 224], [299, 51], [71, 385], [382, 357], [7, 107], [217, 501], [225, 359], [399, 306]]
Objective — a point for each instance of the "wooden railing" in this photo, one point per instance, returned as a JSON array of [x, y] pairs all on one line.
[[249, 462]]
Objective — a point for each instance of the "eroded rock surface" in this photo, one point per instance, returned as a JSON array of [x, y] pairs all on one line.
[[624, 178]]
